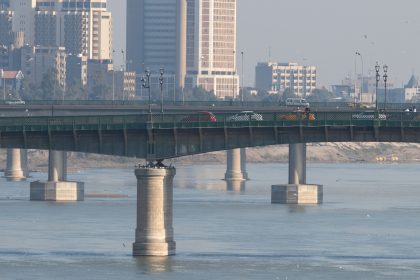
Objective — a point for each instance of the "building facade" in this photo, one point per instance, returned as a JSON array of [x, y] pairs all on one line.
[[211, 47], [156, 37], [6, 31], [23, 19], [47, 23], [38, 61], [275, 78]]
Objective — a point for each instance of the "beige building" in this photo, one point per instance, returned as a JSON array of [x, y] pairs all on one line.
[[277, 77], [82, 27], [211, 47], [37, 61]]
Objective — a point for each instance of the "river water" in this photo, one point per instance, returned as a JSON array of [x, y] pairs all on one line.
[[367, 228]]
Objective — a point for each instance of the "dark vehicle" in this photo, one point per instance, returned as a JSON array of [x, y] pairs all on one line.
[[200, 117]]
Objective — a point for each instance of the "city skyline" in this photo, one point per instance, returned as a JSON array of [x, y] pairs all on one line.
[[380, 31]]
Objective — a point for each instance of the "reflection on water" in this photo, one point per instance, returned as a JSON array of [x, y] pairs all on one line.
[[154, 264], [367, 227], [295, 208], [235, 185]]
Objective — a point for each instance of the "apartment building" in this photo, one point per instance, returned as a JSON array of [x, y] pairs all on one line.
[[277, 77]]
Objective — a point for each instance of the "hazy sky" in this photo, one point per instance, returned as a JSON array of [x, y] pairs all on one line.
[[324, 33]]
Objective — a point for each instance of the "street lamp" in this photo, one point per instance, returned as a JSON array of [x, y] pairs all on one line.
[[378, 77], [3, 77], [146, 84], [362, 79], [162, 71], [233, 75], [385, 81], [113, 79], [242, 80]]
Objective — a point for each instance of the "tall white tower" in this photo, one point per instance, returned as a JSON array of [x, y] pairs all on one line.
[[211, 46]]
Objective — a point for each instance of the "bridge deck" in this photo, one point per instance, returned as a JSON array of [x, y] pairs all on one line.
[[174, 135]]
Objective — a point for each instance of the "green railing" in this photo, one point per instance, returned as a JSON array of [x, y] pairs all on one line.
[[206, 120]]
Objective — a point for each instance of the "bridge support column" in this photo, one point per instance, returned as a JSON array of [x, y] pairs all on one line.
[[24, 160], [234, 165], [154, 232], [243, 164], [57, 188], [297, 191], [14, 170]]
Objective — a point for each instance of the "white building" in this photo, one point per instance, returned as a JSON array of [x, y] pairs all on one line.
[[277, 77], [211, 46]]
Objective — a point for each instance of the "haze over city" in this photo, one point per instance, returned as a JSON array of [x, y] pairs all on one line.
[[209, 139], [325, 33]]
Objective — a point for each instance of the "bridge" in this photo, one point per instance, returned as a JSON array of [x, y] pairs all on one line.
[[156, 137]]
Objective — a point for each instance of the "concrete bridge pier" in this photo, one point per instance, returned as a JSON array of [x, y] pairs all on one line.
[[297, 191], [234, 171], [14, 169], [154, 232], [243, 164], [57, 188]]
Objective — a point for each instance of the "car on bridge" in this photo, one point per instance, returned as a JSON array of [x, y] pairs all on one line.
[[369, 116], [202, 116], [15, 102], [245, 116]]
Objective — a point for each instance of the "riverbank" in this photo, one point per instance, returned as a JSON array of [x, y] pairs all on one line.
[[319, 153]]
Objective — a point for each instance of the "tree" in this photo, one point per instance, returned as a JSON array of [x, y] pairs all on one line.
[[321, 95], [76, 91]]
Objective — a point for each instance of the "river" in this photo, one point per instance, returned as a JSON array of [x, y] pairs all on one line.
[[367, 228]]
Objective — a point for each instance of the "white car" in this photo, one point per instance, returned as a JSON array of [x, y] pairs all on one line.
[[369, 116], [15, 102], [245, 116]]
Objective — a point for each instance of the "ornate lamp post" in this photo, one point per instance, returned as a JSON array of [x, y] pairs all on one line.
[[378, 77], [385, 81], [362, 79], [162, 71], [242, 79], [146, 84]]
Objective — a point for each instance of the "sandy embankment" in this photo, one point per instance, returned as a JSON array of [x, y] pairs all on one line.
[[323, 152]]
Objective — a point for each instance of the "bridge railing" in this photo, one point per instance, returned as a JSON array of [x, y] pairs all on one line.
[[200, 119], [342, 105]]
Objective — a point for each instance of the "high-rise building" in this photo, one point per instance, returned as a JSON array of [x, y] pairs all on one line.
[[277, 77], [23, 19], [47, 23], [211, 46], [81, 26], [87, 28], [4, 4], [6, 32], [156, 37]]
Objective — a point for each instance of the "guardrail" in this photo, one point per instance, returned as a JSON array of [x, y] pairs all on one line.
[[210, 104], [204, 120]]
